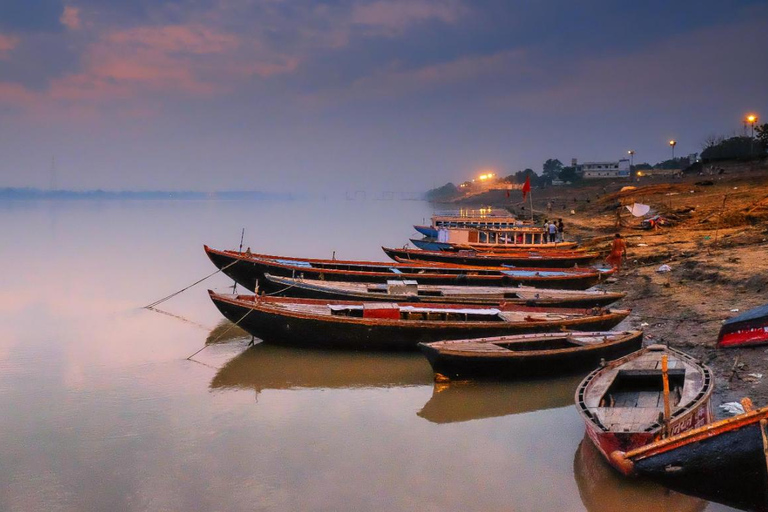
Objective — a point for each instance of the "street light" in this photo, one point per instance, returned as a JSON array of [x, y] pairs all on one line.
[[752, 120], [673, 143], [631, 154]]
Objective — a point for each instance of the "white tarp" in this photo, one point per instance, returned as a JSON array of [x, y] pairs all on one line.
[[638, 209]]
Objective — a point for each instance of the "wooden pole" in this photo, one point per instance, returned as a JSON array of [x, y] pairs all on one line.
[[530, 196], [665, 378]]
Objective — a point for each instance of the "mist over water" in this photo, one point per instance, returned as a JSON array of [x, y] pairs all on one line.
[[101, 410]]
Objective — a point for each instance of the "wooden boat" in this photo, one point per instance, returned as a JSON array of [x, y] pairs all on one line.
[[726, 461], [527, 355], [249, 269], [460, 401], [498, 241], [623, 403], [392, 326], [747, 329], [411, 291], [524, 258], [484, 228]]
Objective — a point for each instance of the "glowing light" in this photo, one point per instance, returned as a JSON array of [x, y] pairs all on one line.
[[751, 118], [672, 143]]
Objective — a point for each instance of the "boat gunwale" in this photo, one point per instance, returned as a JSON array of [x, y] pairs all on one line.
[[626, 337], [702, 396], [434, 324], [344, 287], [697, 434]]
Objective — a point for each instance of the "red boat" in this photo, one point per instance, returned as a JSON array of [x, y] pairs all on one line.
[[747, 329], [635, 400]]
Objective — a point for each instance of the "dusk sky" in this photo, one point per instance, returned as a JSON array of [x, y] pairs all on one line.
[[402, 95]]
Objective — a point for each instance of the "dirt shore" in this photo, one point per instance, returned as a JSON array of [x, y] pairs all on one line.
[[716, 246]]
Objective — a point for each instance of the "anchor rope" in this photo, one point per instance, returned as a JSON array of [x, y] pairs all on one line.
[[158, 302]]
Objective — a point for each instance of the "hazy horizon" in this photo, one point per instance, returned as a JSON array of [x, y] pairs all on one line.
[[384, 95]]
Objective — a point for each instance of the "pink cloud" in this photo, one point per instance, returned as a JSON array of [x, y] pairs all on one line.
[[192, 39], [70, 18], [7, 43]]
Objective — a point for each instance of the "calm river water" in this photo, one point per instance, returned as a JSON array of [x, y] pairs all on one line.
[[101, 410]]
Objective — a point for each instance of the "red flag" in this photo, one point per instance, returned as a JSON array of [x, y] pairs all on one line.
[[527, 186]]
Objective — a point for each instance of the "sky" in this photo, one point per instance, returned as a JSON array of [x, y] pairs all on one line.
[[313, 96]]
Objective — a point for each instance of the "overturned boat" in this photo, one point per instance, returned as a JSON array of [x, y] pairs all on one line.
[[412, 291], [527, 355], [745, 330], [248, 270], [643, 397], [393, 326]]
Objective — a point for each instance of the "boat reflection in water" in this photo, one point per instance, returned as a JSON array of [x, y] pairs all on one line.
[[266, 366], [471, 400], [603, 489]]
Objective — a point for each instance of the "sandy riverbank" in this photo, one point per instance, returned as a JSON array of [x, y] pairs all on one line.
[[717, 249]]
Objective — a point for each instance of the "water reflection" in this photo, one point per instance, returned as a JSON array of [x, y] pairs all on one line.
[[468, 400], [603, 489], [266, 366]]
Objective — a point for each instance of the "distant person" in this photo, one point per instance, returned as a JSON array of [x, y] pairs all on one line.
[[560, 230], [618, 252], [553, 232], [549, 206]]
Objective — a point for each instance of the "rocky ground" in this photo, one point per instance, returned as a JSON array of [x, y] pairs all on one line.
[[716, 247]]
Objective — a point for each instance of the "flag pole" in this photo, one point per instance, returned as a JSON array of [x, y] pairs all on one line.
[[530, 196]]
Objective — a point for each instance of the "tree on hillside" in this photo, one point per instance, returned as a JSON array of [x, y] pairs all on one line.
[[761, 134], [733, 148], [444, 193], [570, 174], [673, 163], [552, 169]]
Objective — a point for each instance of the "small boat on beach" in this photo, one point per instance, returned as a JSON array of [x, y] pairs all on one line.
[[726, 461], [745, 330], [523, 257], [397, 290], [248, 269], [642, 397], [527, 355], [393, 326]]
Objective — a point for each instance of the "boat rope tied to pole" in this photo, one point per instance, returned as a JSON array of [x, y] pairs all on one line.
[[222, 334], [158, 302]]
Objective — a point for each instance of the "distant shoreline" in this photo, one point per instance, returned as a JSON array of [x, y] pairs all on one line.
[[33, 194]]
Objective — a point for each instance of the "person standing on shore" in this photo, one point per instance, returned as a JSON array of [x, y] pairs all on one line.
[[553, 232], [618, 252], [560, 230]]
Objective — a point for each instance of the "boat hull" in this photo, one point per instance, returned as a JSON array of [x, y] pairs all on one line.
[[300, 288], [724, 461], [430, 244], [249, 271], [516, 365], [540, 260], [343, 333]]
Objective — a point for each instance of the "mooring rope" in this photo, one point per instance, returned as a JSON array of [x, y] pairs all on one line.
[[157, 302]]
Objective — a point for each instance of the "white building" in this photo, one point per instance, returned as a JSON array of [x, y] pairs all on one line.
[[596, 170]]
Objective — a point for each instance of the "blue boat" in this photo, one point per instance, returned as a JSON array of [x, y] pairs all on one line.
[[427, 231]]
